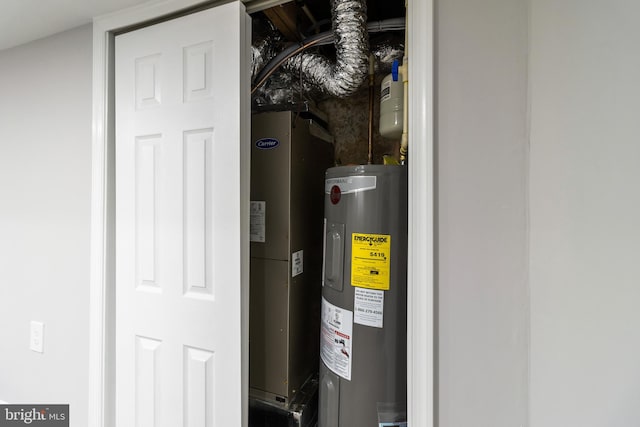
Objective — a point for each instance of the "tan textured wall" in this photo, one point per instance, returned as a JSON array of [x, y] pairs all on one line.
[[349, 125]]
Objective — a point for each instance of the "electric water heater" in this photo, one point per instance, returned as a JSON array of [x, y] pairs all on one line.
[[363, 368]]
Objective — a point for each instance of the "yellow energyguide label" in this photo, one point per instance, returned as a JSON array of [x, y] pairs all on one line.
[[370, 260]]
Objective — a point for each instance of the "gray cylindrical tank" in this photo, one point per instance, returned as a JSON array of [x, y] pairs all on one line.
[[363, 368]]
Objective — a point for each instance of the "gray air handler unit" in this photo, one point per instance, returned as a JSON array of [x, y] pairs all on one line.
[[363, 368], [289, 155]]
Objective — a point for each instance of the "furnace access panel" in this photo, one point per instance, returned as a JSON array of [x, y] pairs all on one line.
[[290, 154]]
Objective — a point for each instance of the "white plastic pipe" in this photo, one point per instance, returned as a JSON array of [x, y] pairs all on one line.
[[404, 69]]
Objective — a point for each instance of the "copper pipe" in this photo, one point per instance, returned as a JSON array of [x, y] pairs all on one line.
[[372, 82]]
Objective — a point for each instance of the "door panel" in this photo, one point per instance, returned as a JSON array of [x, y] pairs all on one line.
[[179, 106]]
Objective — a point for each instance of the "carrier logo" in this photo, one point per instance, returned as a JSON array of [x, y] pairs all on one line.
[[267, 143]]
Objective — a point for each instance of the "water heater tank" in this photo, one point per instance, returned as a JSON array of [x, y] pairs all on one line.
[[363, 368]]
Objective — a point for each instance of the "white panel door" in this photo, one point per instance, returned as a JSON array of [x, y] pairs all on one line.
[[180, 95]]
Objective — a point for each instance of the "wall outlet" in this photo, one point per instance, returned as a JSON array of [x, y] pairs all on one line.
[[37, 337]]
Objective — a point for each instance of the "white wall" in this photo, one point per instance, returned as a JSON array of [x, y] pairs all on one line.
[[585, 213], [45, 165], [481, 89]]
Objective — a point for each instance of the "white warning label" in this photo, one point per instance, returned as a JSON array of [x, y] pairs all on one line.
[[336, 339], [350, 184], [385, 91], [368, 307], [257, 223], [297, 263]]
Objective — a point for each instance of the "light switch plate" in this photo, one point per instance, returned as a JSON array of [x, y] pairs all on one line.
[[37, 337]]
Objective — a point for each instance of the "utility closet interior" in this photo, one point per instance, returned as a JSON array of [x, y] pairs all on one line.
[[295, 23], [329, 159]]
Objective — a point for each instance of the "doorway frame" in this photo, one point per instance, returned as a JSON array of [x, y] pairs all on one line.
[[420, 308]]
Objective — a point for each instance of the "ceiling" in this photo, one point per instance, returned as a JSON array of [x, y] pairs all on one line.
[[22, 21], [376, 9]]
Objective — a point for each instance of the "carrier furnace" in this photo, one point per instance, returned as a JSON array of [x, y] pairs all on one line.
[[289, 155], [363, 372]]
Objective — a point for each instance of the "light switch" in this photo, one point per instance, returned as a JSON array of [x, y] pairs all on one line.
[[37, 337]]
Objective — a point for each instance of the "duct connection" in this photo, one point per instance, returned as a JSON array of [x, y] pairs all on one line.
[[344, 76], [314, 74]]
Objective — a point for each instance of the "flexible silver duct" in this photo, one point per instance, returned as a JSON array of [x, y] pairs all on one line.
[[266, 45], [263, 50], [344, 76], [386, 48], [285, 87]]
